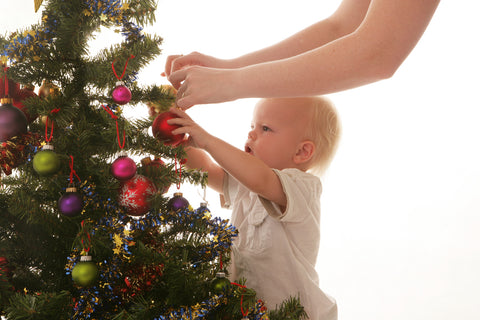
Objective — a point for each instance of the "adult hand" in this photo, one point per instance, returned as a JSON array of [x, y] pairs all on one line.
[[201, 85], [180, 61]]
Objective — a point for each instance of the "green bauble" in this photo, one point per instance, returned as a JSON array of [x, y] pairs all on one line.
[[46, 162], [220, 284], [85, 272]]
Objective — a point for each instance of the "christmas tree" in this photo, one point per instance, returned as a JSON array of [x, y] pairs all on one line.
[[86, 231]]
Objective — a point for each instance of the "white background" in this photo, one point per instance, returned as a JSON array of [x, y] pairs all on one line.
[[401, 202]]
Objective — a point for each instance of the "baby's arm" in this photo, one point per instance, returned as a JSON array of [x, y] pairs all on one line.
[[248, 170], [200, 160]]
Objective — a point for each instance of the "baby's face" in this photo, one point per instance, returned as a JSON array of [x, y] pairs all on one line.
[[277, 130]]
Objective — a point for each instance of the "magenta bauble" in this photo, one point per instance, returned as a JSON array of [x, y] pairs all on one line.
[[121, 94], [12, 121], [135, 195], [123, 168], [163, 131]]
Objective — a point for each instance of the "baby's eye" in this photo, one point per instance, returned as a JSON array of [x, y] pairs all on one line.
[[265, 128]]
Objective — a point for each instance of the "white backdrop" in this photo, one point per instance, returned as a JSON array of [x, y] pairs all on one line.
[[401, 202]]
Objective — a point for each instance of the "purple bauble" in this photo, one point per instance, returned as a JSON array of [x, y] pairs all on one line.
[[71, 203], [12, 121], [121, 94], [178, 202], [123, 168]]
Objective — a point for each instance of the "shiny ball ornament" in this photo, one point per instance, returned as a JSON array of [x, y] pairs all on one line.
[[135, 195], [123, 168], [71, 203], [85, 272], [220, 284], [12, 120], [163, 131], [121, 94], [178, 202], [46, 162]]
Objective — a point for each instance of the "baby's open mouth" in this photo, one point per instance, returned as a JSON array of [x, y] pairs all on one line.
[[248, 150]]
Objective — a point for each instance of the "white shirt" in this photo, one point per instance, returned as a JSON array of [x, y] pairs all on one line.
[[276, 252]]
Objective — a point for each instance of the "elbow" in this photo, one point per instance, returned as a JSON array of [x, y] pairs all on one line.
[[382, 65]]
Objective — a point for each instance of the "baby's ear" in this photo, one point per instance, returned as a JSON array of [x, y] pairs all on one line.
[[305, 151]]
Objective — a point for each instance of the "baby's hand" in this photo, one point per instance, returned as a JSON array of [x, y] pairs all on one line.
[[197, 136]]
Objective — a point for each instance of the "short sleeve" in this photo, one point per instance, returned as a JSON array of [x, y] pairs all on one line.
[[230, 189], [303, 192]]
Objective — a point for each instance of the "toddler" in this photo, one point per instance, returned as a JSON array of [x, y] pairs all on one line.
[[275, 200]]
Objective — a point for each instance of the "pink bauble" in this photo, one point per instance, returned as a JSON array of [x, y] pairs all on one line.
[[123, 168], [121, 94], [135, 195]]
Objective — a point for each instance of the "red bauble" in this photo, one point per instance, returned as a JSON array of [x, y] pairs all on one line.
[[135, 195], [21, 95], [163, 131]]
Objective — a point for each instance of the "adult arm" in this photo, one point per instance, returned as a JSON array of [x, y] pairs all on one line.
[[374, 51]]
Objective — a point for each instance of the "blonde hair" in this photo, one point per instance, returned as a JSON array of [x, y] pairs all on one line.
[[324, 130]]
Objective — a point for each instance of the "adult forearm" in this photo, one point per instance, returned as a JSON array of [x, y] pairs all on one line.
[[305, 40], [344, 21]]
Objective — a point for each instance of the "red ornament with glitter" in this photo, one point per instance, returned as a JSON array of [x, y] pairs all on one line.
[[163, 131], [135, 195]]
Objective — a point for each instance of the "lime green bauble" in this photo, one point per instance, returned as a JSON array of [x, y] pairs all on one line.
[[46, 161], [85, 272], [220, 284]]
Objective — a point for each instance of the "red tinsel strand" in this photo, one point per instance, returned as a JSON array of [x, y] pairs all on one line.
[[73, 172], [221, 261], [124, 68]]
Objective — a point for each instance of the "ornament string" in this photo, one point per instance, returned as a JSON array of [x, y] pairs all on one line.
[[124, 68], [244, 313], [6, 82], [48, 137], [178, 171], [115, 117], [86, 248], [73, 172]]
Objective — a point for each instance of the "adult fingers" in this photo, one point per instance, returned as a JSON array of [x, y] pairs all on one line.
[[177, 77], [169, 62]]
